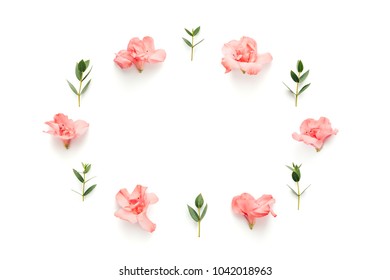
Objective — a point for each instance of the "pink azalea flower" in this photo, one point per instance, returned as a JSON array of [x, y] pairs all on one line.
[[243, 55], [66, 129], [134, 206], [246, 205], [314, 132], [138, 53]]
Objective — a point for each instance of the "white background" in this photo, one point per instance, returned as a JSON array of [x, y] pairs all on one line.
[[185, 127]]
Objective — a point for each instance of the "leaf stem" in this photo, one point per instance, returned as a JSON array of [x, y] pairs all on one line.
[[296, 91], [192, 46], [199, 222], [299, 195], [82, 191], [79, 93]]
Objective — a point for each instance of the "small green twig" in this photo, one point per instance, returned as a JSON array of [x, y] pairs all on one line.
[[191, 44]]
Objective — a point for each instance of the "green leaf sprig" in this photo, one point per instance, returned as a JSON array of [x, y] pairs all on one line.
[[298, 79], [196, 215], [81, 68], [82, 179], [296, 176], [192, 33]]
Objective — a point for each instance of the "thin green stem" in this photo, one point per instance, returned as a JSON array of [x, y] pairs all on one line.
[[296, 91], [199, 222], [79, 94], [192, 48], [299, 195], [82, 191]]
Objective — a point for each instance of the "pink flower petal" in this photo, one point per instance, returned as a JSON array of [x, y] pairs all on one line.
[[148, 43], [126, 215], [123, 197], [145, 223], [152, 198], [264, 58], [123, 60], [81, 127], [157, 56]]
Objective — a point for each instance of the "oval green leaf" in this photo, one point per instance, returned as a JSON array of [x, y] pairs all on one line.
[[89, 190], [77, 174], [72, 88], [86, 64], [82, 66], [199, 201], [86, 87], [187, 42], [78, 72], [299, 66], [295, 177], [193, 214], [196, 31], [304, 76], [294, 77], [203, 212], [188, 32], [304, 88]]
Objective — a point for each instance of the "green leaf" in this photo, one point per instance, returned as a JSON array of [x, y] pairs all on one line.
[[203, 212], [198, 43], [187, 42], [304, 76], [289, 88], [86, 64], [304, 88], [87, 73], [82, 66], [289, 167], [305, 189], [295, 176], [89, 190], [193, 214], [292, 190], [78, 72], [85, 88], [87, 167], [188, 32], [199, 201], [77, 192], [196, 31], [299, 66], [81, 179], [72, 88], [294, 76]]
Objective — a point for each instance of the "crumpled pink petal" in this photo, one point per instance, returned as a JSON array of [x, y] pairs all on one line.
[[251, 209], [243, 55], [66, 129], [139, 52], [123, 60], [315, 132], [134, 206]]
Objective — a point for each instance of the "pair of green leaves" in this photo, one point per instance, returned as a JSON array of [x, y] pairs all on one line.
[[298, 79], [81, 68], [198, 216], [191, 44], [81, 178]]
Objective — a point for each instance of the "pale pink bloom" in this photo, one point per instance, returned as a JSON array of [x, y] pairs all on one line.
[[243, 55], [138, 53], [246, 205], [66, 129], [314, 132], [134, 206]]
